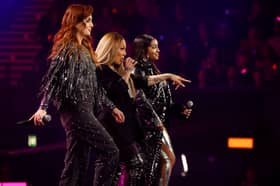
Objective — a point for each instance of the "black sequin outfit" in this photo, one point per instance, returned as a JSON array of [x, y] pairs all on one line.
[[159, 94], [71, 85], [160, 97]]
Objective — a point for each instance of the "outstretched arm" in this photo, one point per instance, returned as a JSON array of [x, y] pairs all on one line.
[[176, 79]]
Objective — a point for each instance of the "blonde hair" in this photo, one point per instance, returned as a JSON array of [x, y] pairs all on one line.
[[106, 52], [107, 48], [74, 14]]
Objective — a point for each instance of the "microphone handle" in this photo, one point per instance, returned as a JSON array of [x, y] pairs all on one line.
[[47, 118]]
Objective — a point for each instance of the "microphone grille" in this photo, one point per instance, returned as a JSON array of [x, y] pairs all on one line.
[[190, 104], [47, 118]]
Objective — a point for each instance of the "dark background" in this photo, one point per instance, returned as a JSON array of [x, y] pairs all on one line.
[[220, 110]]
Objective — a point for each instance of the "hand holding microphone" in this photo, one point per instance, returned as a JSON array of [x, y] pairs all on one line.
[[188, 109], [129, 64], [39, 118]]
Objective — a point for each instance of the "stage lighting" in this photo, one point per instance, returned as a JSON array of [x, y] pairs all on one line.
[[185, 165], [240, 143]]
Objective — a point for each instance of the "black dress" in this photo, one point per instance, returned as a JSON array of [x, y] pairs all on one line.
[[130, 131], [132, 137], [71, 85]]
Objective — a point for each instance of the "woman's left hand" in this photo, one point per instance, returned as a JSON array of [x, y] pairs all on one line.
[[118, 115]]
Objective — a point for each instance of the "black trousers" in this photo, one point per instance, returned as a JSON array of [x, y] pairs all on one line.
[[85, 133]]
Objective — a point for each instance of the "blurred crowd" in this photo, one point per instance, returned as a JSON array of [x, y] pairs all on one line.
[[214, 43]]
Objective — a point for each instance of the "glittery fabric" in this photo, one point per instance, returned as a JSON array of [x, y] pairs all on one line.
[[71, 78], [73, 88], [159, 94], [153, 138], [160, 97], [152, 148], [135, 168], [146, 112]]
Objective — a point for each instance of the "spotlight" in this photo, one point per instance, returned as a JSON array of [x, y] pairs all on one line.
[[115, 10], [185, 165], [274, 66], [243, 71]]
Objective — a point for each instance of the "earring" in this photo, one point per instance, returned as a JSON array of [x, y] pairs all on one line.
[[147, 58]]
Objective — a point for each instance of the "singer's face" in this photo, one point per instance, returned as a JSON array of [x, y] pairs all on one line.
[[153, 51], [121, 53], [84, 28]]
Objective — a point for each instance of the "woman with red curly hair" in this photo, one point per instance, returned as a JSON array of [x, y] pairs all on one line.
[[71, 85]]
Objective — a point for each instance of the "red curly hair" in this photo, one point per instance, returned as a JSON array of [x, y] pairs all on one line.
[[74, 14]]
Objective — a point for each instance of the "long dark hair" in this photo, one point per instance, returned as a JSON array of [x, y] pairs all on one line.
[[140, 48]]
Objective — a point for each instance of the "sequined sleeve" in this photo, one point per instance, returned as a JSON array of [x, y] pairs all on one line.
[[50, 82], [103, 98], [71, 76]]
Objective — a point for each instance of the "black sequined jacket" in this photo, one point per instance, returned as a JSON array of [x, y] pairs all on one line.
[[159, 94], [71, 82]]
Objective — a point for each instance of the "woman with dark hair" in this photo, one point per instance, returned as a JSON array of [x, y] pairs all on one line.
[[71, 85], [114, 73], [146, 52]]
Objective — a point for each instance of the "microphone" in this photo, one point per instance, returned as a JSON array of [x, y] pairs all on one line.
[[47, 118], [189, 104]]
